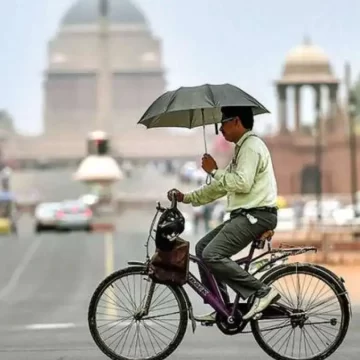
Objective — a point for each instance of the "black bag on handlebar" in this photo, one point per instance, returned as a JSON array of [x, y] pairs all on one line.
[[171, 267]]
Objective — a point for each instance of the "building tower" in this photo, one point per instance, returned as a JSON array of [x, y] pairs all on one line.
[[305, 65]]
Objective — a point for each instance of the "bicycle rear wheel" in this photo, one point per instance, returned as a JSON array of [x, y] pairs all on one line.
[[120, 334], [321, 314]]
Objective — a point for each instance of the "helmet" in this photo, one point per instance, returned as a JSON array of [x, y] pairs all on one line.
[[171, 224]]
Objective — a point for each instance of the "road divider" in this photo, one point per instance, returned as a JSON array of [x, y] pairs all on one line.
[[110, 306]]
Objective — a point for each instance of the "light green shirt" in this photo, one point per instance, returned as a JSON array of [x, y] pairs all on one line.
[[248, 181]]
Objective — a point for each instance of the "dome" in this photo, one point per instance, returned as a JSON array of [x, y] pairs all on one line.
[[307, 54], [98, 168], [307, 63], [85, 12]]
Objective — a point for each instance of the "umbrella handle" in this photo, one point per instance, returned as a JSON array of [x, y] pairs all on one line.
[[208, 178]]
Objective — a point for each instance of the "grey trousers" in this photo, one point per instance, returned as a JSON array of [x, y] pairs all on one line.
[[226, 240]]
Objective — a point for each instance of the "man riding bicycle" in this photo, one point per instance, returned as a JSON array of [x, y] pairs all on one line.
[[250, 185]]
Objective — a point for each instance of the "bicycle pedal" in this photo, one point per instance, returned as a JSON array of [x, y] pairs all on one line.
[[207, 323]]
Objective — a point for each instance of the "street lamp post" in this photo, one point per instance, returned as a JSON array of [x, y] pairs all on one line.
[[351, 110], [318, 158], [352, 147], [5, 175], [104, 77]]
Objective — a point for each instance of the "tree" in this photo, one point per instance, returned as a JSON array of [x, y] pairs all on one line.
[[356, 93], [355, 101], [6, 122]]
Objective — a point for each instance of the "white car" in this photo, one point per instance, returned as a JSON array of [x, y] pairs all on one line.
[[45, 216], [187, 171], [346, 216], [327, 207], [286, 220], [199, 176], [74, 215]]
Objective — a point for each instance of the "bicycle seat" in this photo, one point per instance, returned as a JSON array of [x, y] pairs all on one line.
[[266, 236]]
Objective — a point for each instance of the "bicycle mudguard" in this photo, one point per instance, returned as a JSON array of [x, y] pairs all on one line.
[[136, 263], [190, 308], [340, 280]]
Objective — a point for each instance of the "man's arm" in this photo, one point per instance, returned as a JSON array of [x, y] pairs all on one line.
[[205, 195], [242, 179]]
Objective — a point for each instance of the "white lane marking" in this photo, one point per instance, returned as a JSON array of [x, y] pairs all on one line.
[[50, 326], [59, 326], [72, 325], [15, 277], [109, 253]]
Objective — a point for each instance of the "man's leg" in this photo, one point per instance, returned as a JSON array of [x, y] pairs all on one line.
[[199, 248], [233, 237]]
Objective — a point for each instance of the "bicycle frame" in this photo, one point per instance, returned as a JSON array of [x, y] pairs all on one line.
[[213, 296], [210, 296]]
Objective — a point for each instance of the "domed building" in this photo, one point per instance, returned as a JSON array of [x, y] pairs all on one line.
[[126, 56], [305, 65], [104, 69], [294, 150]]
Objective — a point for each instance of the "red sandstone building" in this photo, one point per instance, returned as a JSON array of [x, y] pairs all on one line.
[[293, 148]]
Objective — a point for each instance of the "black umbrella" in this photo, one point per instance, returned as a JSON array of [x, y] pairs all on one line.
[[194, 106]]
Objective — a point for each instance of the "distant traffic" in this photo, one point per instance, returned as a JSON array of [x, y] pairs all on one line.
[[67, 215]]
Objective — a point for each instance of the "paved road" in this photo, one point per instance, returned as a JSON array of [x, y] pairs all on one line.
[[145, 179], [48, 279], [44, 182]]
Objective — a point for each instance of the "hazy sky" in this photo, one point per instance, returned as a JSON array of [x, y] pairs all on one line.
[[211, 41]]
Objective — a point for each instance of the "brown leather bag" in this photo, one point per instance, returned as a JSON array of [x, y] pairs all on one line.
[[171, 267]]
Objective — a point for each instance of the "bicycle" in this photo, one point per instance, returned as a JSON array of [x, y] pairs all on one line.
[[229, 316]]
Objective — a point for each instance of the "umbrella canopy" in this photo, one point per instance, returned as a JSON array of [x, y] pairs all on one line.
[[194, 106]]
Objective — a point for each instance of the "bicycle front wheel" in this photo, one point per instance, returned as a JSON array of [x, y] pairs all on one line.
[[320, 320], [116, 328]]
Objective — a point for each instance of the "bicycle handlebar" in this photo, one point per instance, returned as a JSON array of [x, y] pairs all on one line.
[[173, 200], [173, 203], [159, 207]]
